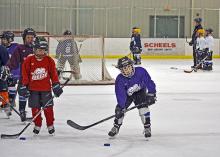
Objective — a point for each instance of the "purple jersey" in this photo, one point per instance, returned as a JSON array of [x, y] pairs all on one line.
[[140, 77], [11, 50], [18, 57]]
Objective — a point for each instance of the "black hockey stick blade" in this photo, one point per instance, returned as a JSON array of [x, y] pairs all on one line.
[[5, 136], [76, 126], [79, 127]]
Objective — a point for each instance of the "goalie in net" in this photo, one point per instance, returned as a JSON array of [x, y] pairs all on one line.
[[67, 50]]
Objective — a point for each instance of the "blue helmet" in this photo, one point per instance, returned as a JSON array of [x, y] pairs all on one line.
[[8, 35], [198, 20], [124, 61], [126, 66], [28, 31]]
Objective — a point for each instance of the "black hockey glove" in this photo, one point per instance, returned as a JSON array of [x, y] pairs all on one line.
[[151, 98], [23, 91], [119, 113], [57, 90], [190, 43]]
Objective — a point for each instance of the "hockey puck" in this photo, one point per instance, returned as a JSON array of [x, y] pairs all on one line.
[[106, 144], [22, 138]]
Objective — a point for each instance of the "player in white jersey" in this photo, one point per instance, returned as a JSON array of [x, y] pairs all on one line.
[[200, 47], [209, 47]]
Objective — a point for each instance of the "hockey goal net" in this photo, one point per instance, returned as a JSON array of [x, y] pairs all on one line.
[[80, 58]]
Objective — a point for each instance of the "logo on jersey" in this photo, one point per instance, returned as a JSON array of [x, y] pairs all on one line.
[[39, 74]]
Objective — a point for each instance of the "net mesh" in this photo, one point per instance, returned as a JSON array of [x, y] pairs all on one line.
[[80, 58]]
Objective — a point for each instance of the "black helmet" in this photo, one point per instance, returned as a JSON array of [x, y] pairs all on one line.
[[124, 61], [209, 30], [28, 31], [8, 35], [198, 20], [67, 32], [41, 43]]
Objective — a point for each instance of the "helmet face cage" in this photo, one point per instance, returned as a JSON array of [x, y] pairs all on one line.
[[28, 31], [209, 31], [126, 66], [128, 70], [8, 35], [42, 44]]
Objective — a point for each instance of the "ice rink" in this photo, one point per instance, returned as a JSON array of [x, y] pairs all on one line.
[[185, 119]]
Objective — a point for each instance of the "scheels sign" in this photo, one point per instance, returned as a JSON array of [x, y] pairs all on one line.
[[162, 46]]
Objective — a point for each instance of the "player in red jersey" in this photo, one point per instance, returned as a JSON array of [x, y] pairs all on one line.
[[38, 74]]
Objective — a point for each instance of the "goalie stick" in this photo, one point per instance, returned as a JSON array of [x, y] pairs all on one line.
[[79, 127], [14, 136], [9, 104]]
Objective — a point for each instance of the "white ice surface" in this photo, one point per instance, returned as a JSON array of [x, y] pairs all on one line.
[[185, 119]]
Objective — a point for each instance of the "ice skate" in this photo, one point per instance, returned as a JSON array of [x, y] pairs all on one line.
[[51, 130], [23, 115], [114, 131], [147, 132], [36, 130]]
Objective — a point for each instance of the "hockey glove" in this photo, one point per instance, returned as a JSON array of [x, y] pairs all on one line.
[[4, 73], [57, 90], [190, 43], [11, 81], [119, 113], [133, 89], [23, 91], [151, 98]]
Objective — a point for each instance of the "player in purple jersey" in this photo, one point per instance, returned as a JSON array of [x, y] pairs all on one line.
[[7, 38], [133, 84], [17, 59]]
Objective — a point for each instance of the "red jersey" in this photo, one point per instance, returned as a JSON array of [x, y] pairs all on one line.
[[38, 75]]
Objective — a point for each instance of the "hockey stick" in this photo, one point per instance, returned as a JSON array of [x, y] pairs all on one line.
[[196, 67], [9, 104], [14, 136], [187, 40], [79, 127]]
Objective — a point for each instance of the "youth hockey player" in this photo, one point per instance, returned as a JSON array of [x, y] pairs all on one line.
[[67, 50], [133, 84], [4, 72], [7, 38], [209, 45], [17, 59], [38, 72], [135, 45], [197, 24], [200, 47]]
